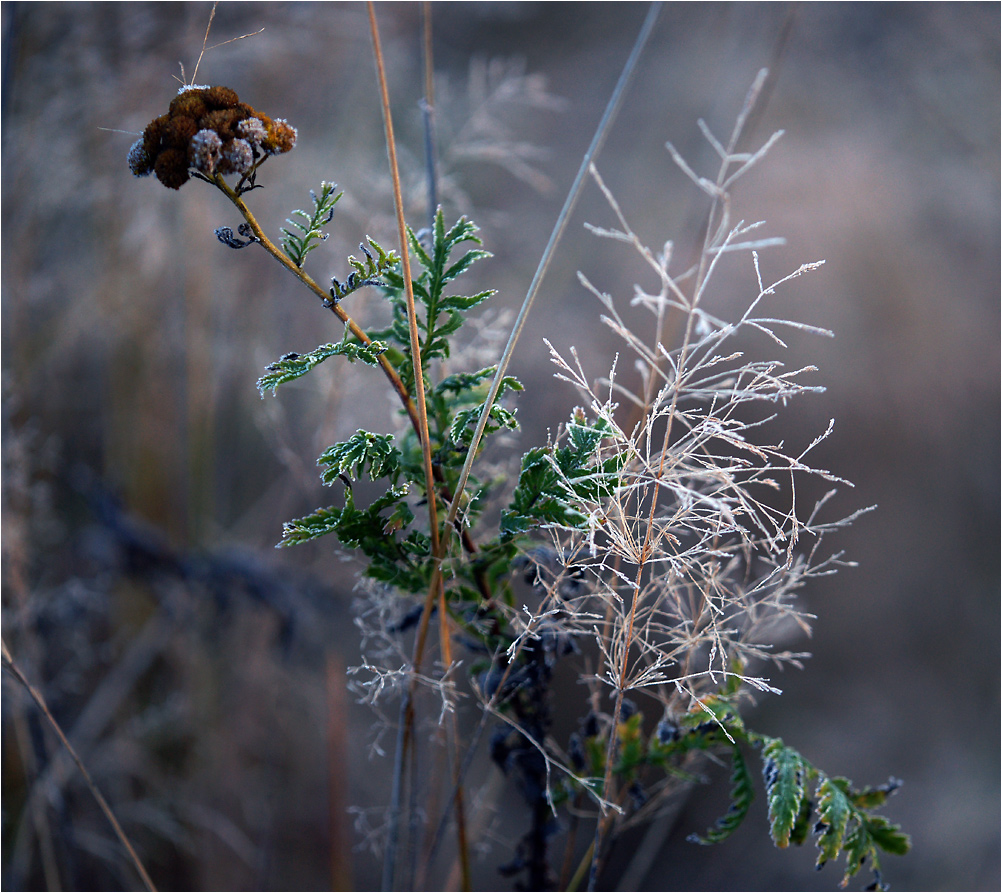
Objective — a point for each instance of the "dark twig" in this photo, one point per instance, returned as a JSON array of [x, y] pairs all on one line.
[[36, 696]]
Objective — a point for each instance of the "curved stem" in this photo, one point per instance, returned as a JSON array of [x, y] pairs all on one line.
[[310, 283]]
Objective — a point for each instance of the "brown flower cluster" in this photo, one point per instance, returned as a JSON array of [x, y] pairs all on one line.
[[207, 129]]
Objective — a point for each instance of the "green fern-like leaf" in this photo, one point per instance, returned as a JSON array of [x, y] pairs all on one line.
[[352, 525], [834, 812], [352, 455], [465, 420], [890, 838], [555, 483], [310, 527], [742, 794], [295, 365], [305, 229], [378, 262], [783, 770], [844, 827], [541, 497]]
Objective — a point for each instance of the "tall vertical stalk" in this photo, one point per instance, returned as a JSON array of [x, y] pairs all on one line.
[[436, 591]]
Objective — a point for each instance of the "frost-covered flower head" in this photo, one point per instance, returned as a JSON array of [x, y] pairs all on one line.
[[208, 130]]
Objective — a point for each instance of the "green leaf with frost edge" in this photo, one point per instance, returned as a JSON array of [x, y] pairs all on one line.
[[742, 794], [783, 770], [298, 246], [352, 455], [296, 365]]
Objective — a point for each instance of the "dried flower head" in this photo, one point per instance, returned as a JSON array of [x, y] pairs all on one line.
[[209, 130], [204, 151]]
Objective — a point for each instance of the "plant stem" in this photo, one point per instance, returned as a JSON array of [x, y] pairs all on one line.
[[601, 131], [428, 113], [36, 696], [310, 283], [436, 590]]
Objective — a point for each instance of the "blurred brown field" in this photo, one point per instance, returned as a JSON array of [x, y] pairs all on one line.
[[201, 673]]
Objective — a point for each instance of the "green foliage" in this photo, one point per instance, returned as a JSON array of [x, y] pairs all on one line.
[[440, 315], [555, 481], [838, 816], [295, 365], [367, 272], [297, 246], [783, 771], [395, 551], [363, 448], [464, 388], [844, 823], [742, 794]]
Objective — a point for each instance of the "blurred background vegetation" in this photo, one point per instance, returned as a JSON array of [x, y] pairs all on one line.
[[201, 673]]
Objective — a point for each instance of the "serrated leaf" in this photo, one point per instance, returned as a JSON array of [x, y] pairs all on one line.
[[583, 439], [556, 484], [309, 224], [834, 812], [463, 382], [890, 838], [802, 826], [353, 526], [742, 794], [352, 455], [466, 420], [310, 527], [296, 365], [464, 263], [378, 270], [540, 497], [783, 771], [871, 798], [465, 302], [856, 846]]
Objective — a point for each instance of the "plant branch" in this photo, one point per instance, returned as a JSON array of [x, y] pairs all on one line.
[[310, 283], [36, 696]]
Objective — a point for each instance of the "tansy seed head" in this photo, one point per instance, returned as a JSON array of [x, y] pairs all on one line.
[[139, 162], [281, 137], [238, 157], [204, 151], [210, 130]]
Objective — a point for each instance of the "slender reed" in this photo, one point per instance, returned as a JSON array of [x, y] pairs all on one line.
[[36, 696]]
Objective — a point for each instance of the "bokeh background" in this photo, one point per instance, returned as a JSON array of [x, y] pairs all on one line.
[[201, 673]]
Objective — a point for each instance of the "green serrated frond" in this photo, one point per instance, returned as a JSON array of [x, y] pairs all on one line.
[[464, 263], [465, 302], [465, 420], [373, 270], [298, 244], [890, 838], [834, 812], [352, 455], [464, 382], [871, 798], [555, 485], [845, 827], [742, 794], [310, 527], [295, 365], [783, 770]]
